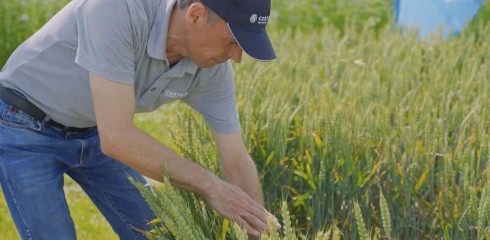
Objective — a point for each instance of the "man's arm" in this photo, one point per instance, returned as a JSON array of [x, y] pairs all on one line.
[[120, 139], [238, 167]]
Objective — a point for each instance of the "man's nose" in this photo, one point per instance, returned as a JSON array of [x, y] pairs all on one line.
[[235, 53]]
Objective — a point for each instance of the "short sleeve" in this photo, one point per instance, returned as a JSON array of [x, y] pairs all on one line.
[[214, 98], [105, 39]]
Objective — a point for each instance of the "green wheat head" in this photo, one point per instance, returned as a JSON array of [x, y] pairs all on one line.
[[385, 214], [361, 227]]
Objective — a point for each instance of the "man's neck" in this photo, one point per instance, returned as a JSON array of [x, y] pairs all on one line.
[[173, 61]]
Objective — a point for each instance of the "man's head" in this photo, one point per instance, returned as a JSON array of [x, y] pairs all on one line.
[[231, 25], [247, 20]]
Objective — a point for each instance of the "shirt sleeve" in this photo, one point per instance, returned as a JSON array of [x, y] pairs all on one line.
[[214, 98], [105, 39]]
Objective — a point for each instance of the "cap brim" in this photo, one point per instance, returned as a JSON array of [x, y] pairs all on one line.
[[256, 44]]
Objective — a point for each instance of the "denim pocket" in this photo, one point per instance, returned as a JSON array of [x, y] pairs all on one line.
[[13, 117]]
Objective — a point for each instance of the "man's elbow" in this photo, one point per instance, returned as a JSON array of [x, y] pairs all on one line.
[[110, 144]]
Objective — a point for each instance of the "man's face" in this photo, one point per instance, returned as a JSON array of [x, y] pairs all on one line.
[[211, 42]]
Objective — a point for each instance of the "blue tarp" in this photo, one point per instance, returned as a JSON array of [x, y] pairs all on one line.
[[429, 16]]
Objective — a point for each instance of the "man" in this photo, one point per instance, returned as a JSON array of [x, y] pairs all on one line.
[[70, 92]]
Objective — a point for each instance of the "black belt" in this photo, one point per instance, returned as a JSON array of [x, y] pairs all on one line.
[[13, 99]]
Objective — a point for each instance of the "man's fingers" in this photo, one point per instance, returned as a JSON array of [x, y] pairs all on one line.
[[257, 210], [232, 202], [242, 223], [259, 217], [258, 223], [263, 215], [275, 221], [255, 216]]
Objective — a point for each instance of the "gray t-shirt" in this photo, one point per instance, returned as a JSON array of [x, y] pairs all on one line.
[[123, 41]]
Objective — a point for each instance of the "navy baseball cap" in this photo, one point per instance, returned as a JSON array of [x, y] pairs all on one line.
[[247, 20]]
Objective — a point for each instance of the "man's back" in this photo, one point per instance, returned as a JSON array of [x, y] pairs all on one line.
[[120, 40]]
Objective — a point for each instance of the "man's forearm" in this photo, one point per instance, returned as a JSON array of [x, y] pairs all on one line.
[[246, 177], [238, 167], [152, 159]]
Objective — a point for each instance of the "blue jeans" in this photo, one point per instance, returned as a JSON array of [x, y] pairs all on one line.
[[34, 157]]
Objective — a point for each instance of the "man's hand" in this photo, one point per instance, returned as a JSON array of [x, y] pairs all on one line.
[[231, 202], [244, 207]]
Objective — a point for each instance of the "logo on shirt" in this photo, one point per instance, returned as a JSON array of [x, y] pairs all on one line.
[[172, 94], [259, 19]]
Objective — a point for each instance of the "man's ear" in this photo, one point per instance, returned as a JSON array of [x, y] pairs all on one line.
[[195, 12]]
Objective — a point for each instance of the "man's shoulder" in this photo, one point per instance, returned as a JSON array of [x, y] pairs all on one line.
[[117, 7]]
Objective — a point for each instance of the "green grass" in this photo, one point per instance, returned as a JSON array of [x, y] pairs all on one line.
[[7, 228], [21, 18], [354, 128]]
